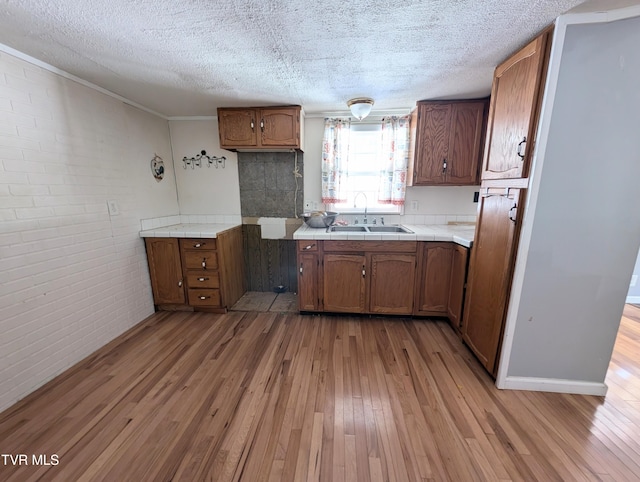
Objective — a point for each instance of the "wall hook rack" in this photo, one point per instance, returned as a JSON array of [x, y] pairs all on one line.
[[203, 157]]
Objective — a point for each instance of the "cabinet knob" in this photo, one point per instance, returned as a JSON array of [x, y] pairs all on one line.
[[203, 279], [198, 245], [300, 268], [520, 147], [262, 125], [204, 297], [363, 271], [444, 166], [180, 283], [204, 263], [308, 247], [252, 125]]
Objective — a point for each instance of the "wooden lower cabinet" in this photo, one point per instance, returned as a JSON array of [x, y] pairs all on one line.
[[457, 284], [344, 283], [389, 277], [434, 279], [392, 281], [308, 296], [165, 270], [490, 273], [202, 274]]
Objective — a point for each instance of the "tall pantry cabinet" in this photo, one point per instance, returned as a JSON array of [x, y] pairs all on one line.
[[516, 96]]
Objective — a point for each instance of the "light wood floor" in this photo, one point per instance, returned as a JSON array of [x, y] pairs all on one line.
[[282, 397]]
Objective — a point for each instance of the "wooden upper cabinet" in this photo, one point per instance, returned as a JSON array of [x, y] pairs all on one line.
[[280, 127], [447, 142], [237, 128], [513, 113], [260, 128]]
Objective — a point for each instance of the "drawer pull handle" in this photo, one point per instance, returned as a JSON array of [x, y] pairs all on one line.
[[197, 245], [363, 271], [308, 247], [203, 279], [204, 297], [204, 263], [300, 268], [180, 283]]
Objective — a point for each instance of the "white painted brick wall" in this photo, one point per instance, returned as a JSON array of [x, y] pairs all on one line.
[[72, 278]]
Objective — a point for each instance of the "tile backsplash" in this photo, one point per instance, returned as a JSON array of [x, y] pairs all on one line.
[[268, 184]]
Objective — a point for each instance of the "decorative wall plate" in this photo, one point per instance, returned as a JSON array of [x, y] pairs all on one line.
[[157, 167]]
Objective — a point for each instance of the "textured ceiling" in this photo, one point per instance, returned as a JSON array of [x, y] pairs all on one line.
[[186, 58]]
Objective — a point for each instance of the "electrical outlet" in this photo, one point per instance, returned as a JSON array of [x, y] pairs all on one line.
[[634, 281], [112, 205], [476, 196], [414, 205], [308, 206]]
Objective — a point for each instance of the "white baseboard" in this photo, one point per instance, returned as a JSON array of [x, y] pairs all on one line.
[[554, 385], [633, 299]]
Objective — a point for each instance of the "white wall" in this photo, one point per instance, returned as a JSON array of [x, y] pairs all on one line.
[[432, 200], [204, 190], [633, 296], [72, 277], [585, 224]]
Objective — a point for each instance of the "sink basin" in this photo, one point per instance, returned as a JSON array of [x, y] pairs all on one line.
[[388, 229], [369, 229], [348, 229]]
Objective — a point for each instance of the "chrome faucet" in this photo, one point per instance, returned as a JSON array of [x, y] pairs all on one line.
[[365, 205]]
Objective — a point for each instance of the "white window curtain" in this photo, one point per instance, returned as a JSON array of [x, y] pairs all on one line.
[[335, 155], [390, 166], [394, 159]]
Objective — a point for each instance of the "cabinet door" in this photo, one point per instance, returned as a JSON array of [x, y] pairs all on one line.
[[490, 272], [392, 283], [457, 285], [465, 143], [432, 143], [432, 294], [344, 282], [165, 270], [308, 281], [237, 128], [517, 85], [280, 127]]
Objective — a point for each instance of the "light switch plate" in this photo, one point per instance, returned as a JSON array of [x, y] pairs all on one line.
[[114, 210]]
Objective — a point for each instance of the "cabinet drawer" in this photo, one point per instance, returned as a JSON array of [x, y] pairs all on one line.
[[307, 246], [204, 297], [201, 260], [203, 279], [194, 243]]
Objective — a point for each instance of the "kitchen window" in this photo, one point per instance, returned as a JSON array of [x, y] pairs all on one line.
[[365, 164]]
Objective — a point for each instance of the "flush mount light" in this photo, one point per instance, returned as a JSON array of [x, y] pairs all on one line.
[[360, 107]]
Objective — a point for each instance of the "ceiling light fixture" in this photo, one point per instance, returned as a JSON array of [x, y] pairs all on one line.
[[360, 107]]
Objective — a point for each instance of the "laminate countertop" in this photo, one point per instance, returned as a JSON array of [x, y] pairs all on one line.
[[462, 234]]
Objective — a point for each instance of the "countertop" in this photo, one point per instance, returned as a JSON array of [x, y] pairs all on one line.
[[189, 230], [458, 233]]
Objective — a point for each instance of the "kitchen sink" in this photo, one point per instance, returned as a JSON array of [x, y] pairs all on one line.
[[348, 229], [370, 229], [388, 229]]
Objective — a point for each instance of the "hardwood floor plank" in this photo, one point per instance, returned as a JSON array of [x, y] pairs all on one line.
[[275, 396]]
